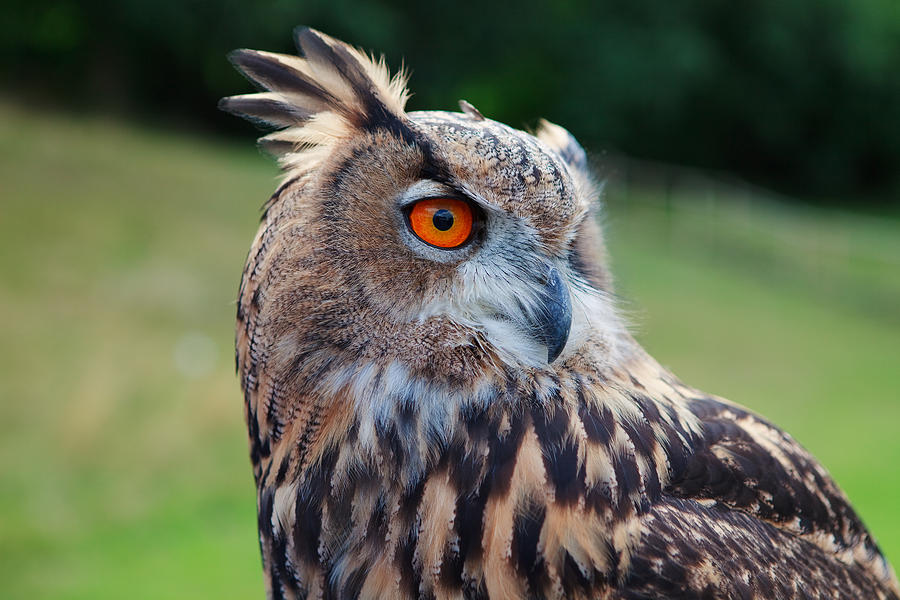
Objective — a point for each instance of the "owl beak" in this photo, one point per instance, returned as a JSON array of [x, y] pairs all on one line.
[[551, 321]]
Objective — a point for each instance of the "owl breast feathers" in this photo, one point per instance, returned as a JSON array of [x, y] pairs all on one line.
[[442, 400]]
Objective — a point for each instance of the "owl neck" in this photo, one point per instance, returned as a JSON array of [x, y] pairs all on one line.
[[434, 481], [386, 429]]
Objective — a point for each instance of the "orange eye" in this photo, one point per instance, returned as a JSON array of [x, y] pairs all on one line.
[[441, 222]]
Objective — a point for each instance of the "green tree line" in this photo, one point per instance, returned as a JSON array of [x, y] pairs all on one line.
[[799, 95]]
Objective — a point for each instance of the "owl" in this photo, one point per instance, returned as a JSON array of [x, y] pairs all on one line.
[[443, 400]]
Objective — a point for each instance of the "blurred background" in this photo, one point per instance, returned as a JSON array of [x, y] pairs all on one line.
[[752, 158]]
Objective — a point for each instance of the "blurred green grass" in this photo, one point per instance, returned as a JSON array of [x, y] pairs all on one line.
[[123, 465]]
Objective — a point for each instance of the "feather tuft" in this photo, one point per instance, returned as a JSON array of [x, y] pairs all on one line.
[[265, 109], [331, 92]]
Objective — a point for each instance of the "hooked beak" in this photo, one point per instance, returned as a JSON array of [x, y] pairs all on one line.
[[551, 320]]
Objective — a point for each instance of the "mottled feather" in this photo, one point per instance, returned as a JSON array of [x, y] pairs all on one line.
[[410, 440]]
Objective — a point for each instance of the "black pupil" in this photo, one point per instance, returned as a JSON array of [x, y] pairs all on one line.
[[442, 219]]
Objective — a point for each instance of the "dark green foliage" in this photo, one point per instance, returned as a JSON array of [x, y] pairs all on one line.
[[801, 95]]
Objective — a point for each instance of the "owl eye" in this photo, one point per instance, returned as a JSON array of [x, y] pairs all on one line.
[[441, 222]]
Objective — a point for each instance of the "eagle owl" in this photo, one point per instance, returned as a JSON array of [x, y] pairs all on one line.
[[442, 399]]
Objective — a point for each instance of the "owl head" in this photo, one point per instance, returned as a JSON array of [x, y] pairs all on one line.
[[435, 243]]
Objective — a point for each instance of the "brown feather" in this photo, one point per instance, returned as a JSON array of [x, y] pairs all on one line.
[[406, 442]]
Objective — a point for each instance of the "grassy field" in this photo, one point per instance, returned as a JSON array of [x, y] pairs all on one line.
[[123, 466]]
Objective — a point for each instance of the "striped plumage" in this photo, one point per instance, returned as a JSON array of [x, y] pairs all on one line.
[[413, 434]]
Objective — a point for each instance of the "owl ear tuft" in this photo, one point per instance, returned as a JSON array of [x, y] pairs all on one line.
[[330, 92], [470, 110], [565, 145]]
